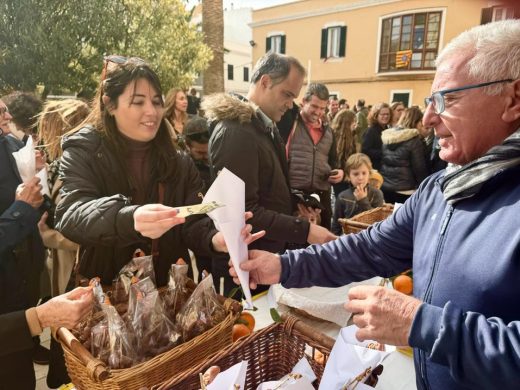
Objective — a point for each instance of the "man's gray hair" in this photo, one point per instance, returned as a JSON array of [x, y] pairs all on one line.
[[496, 52], [318, 90], [276, 66]]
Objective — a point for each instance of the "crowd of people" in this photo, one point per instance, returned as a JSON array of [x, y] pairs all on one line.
[[118, 167]]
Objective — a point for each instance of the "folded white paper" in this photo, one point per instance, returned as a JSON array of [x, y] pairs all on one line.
[[226, 380], [229, 190], [26, 163], [350, 357], [303, 381]]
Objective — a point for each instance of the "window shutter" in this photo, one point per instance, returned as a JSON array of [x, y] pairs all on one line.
[[267, 44], [323, 53], [282, 44], [343, 41], [486, 16]]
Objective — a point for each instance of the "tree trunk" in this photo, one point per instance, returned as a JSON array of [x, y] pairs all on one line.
[[213, 28]]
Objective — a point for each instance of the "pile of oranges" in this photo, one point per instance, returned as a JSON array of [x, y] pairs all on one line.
[[243, 326], [404, 282]]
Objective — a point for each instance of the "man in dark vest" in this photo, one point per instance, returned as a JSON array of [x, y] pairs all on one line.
[[311, 151]]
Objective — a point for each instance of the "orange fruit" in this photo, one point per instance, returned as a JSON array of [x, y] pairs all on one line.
[[404, 284], [319, 357], [248, 320], [239, 331]]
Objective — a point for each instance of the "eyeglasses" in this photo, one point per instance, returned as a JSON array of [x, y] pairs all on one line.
[[437, 98], [119, 60], [3, 110]]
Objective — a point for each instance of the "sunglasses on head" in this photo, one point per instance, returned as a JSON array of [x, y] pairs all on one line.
[[119, 60]]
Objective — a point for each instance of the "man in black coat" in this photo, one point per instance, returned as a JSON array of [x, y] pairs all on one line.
[[246, 141]]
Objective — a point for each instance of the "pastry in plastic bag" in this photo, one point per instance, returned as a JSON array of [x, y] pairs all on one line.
[[202, 311], [153, 330], [179, 290], [137, 269]]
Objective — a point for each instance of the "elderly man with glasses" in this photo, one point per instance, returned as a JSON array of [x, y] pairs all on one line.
[[459, 231]]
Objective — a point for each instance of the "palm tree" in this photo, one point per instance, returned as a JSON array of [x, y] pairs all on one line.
[[213, 28]]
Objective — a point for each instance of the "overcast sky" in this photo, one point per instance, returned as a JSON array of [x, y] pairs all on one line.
[[255, 4]]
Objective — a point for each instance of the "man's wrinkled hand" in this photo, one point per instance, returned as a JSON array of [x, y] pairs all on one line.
[[382, 314], [30, 192], [263, 267]]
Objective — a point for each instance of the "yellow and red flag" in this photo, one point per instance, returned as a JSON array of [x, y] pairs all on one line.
[[403, 58]]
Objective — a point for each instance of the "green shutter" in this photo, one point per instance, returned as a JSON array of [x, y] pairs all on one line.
[[323, 53], [267, 44], [282, 44], [486, 15], [343, 41]]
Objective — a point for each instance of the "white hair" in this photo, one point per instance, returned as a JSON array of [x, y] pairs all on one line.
[[496, 52]]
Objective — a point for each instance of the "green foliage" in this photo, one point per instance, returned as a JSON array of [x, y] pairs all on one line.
[[61, 44]]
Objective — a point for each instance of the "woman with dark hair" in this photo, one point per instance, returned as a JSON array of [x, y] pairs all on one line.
[[122, 177], [404, 162], [175, 112], [343, 127], [378, 119]]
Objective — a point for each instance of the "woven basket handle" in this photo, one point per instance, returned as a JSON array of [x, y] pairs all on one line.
[[96, 369], [292, 322]]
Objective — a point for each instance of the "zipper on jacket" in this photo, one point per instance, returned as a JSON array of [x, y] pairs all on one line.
[[313, 166], [429, 288]]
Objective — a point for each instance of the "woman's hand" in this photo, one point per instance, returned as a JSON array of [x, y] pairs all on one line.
[[42, 223], [153, 220], [219, 244]]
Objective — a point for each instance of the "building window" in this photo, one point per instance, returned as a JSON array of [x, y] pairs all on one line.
[[403, 96], [246, 73], [230, 69], [410, 42], [333, 42], [503, 13], [275, 43], [495, 14]]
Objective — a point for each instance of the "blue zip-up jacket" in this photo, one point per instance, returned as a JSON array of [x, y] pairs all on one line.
[[466, 262]]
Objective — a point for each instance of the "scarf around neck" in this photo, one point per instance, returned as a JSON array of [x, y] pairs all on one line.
[[461, 182]]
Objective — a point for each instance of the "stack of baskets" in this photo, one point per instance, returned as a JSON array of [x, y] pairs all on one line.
[[88, 373], [364, 220], [271, 353]]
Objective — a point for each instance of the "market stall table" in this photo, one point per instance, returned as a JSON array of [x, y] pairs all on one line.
[[398, 374]]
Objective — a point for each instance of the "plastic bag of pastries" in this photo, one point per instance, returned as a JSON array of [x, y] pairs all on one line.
[[179, 289], [153, 330], [202, 311]]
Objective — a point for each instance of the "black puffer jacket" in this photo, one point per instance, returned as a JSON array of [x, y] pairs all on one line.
[[96, 210], [403, 163], [372, 144], [241, 143]]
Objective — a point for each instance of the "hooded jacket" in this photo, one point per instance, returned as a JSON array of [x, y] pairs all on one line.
[[465, 261], [97, 213], [241, 142], [404, 161]]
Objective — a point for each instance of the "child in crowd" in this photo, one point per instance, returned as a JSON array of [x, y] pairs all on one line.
[[360, 196]]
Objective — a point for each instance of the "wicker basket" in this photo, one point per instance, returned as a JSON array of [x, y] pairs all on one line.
[[271, 353], [364, 220], [88, 373]]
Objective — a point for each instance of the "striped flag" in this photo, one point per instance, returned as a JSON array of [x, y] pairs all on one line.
[[403, 58]]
